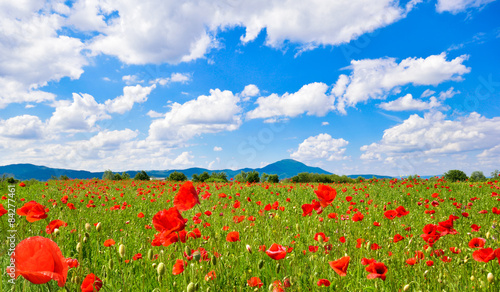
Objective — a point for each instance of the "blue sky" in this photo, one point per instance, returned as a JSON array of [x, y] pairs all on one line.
[[352, 86]]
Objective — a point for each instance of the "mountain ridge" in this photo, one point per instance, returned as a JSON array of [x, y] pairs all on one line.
[[285, 168]]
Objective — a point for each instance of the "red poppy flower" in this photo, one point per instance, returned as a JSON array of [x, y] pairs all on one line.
[[55, 224], [179, 267], [91, 283], [323, 282], [255, 282], [2, 210], [140, 215], [398, 237], [429, 263], [109, 242], [187, 197], [326, 195], [39, 260], [342, 239], [475, 227], [358, 217], [376, 270], [455, 250], [313, 248], [365, 261], [390, 214], [477, 242], [484, 255], [375, 223], [233, 236], [411, 261], [446, 259], [22, 185], [402, 211], [359, 242], [375, 246], [276, 252], [307, 209], [72, 263], [495, 210], [446, 227], [340, 266], [322, 235], [169, 221], [210, 276], [33, 211], [431, 234]]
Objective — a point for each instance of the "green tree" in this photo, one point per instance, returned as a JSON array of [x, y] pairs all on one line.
[[63, 177], [108, 174], [455, 175], [195, 178], [273, 178], [142, 175], [264, 177], [241, 177], [177, 176], [204, 176], [253, 177], [494, 174], [125, 175], [477, 176], [117, 176], [219, 176]]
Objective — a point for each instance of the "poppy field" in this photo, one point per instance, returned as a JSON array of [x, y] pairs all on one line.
[[373, 235]]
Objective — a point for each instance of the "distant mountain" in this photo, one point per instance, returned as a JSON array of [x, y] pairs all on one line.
[[285, 168]]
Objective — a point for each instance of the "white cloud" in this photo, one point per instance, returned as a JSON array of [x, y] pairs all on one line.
[[311, 99], [322, 146], [377, 78], [77, 116], [325, 123], [250, 90], [184, 159], [207, 114], [457, 6], [407, 103], [22, 127], [161, 31], [32, 53], [427, 93], [154, 115], [131, 95], [217, 148], [448, 93], [132, 79], [174, 77], [433, 135]]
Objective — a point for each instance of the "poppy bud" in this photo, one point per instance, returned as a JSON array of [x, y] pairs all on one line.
[[196, 255], [161, 269], [320, 239], [110, 264], [79, 247], [297, 227], [187, 250], [472, 278], [190, 287], [85, 239], [249, 248], [278, 267], [406, 287], [156, 290], [87, 226], [488, 234], [56, 232], [150, 254], [214, 260], [87, 236], [261, 264], [98, 227], [76, 279], [490, 277], [121, 250], [287, 282]]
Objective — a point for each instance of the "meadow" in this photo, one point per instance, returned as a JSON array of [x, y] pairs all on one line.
[[375, 235]]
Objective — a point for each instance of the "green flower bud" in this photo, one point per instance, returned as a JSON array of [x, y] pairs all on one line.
[[79, 247], [490, 277], [121, 250], [161, 269], [110, 264], [214, 260], [150, 254], [196, 255], [88, 227], [187, 249], [98, 227], [191, 287], [261, 264]]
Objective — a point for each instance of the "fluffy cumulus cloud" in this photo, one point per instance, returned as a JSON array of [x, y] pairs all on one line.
[[250, 90], [408, 103], [22, 127], [131, 95], [214, 113], [311, 99], [79, 115], [173, 31], [377, 78], [433, 136], [456, 6], [322, 146], [32, 53]]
